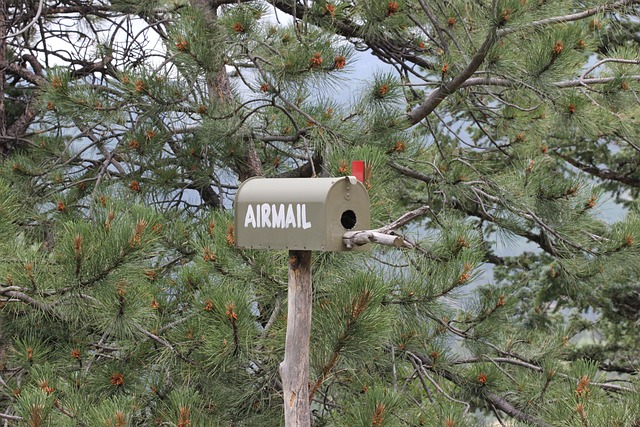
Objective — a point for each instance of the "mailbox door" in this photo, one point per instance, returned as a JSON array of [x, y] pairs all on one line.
[[347, 209]]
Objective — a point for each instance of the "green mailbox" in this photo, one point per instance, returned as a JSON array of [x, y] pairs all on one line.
[[300, 213]]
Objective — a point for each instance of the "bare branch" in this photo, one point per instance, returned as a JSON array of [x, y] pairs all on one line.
[[494, 81], [404, 219], [569, 18], [30, 24], [383, 235], [359, 238], [11, 417], [19, 71]]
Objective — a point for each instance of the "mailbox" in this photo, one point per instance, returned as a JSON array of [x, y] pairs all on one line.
[[300, 213]]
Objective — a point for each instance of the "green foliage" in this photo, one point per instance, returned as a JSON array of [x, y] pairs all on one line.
[[512, 124], [375, 407]]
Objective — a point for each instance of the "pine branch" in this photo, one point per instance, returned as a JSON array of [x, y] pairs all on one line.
[[351, 30], [609, 7], [609, 367], [20, 126], [38, 69], [215, 4], [607, 174], [326, 369], [273, 317], [506, 360], [487, 395], [165, 343], [12, 137], [478, 211], [207, 194], [60, 408], [421, 369], [27, 26], [16, 293], [175, 323], [608, 60], [494, 259], [404, 219], [291, 139], [481, 212], [353, 316], [429, 179], [436, 97], [434, 21]]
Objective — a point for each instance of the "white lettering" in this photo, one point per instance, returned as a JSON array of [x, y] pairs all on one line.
[[291, 218], [305, 224], [265, 211], [250, 218], [265, 215], [278, 216]]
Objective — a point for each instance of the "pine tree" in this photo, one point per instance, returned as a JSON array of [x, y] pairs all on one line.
[[127, 127]]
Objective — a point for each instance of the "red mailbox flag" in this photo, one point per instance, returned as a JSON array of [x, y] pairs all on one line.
[[357, 170]]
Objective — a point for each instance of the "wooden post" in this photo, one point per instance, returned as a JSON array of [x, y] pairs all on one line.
[[294, 369]]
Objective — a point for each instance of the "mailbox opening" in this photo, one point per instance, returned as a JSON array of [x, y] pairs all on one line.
[[348, 219]]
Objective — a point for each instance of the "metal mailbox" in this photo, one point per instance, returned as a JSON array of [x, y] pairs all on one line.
[[300, 213]]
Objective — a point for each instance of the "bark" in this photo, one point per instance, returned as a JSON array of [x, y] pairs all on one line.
[[9, 137], [359, 238], [248, 164], [294, 369], [210, 197], [304, 171]]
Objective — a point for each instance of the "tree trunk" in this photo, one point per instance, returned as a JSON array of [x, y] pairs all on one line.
[[219, 88], [3, 57], [294, 369]]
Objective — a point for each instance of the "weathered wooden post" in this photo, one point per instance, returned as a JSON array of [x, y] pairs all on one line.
[[294, 369]]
